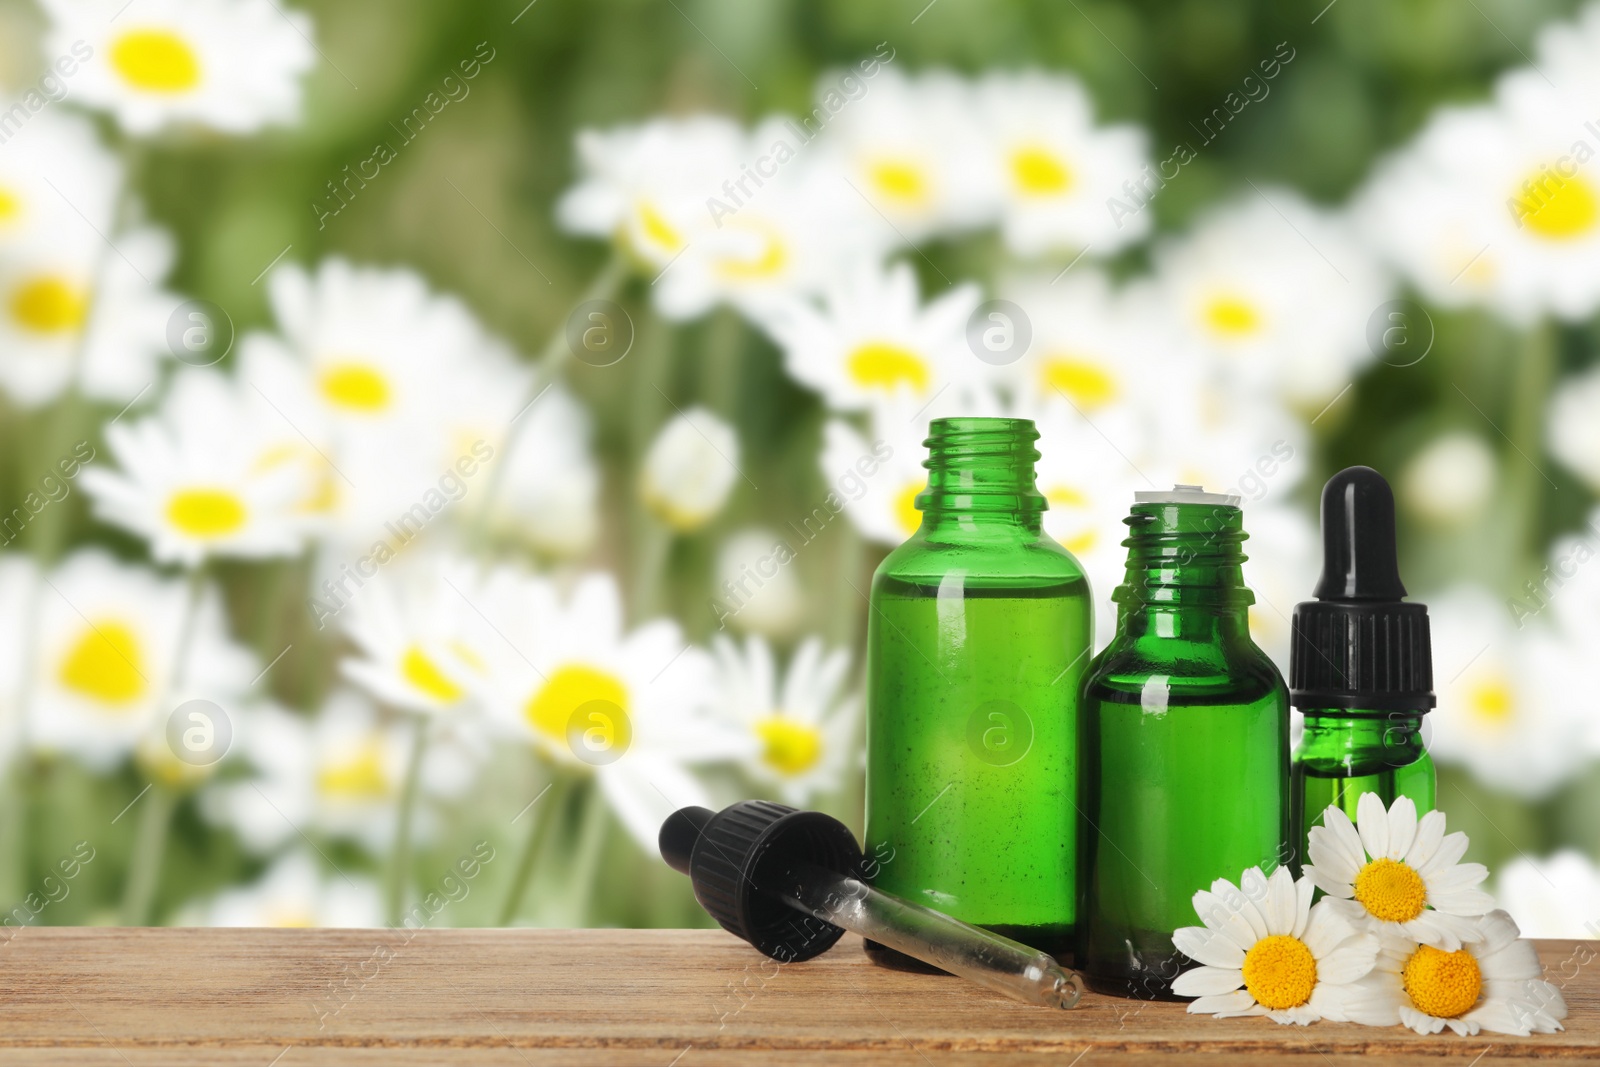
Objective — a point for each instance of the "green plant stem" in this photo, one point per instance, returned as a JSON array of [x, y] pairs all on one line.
[[1526, 479], [149, 847], [401, 865], [544, 812], [720, 368], [590, 842]]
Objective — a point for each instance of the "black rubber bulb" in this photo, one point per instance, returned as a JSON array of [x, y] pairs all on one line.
[[1358, 549]]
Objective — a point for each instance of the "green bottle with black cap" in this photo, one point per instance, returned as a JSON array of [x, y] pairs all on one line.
[[1360, 666]]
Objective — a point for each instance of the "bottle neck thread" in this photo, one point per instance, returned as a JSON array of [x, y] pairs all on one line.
[[981, 470], [1184, 555]]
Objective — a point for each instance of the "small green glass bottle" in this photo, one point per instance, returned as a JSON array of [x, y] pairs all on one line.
[[1185, 743], [1360, 666], [978, 634]]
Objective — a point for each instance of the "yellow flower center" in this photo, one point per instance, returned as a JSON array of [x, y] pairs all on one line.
[[289, 919], [886, 366], [357, 387], [1442, 984], [418, 669], [770, 259], [1558, 208], [104, 663], [1280, 972], [656, 229], [572, 686], [1232, 316], [790, 747], [1390, 890], [1491, 702], [361, 776], [206, 513], [1039, 172], [49, 304], [899, 180], [10, 205], [1088, 384], [157, 61], [905, 507]]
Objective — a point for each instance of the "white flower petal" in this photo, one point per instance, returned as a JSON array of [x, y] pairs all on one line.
[[1201, 981], [1372, 820], [1209, 948], [1216, 1003], [1517, 961], [1343, 837], [1325, 929], [1420, 1022], [1448, 854], [1402, 826], [1304, 889], [1430, 831], [1330, 883], [1351, 959], [1280, 902]]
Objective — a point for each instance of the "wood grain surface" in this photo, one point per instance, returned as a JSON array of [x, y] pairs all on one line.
[[288, 998]]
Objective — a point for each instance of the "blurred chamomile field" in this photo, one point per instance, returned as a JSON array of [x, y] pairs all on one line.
[[438, 440]]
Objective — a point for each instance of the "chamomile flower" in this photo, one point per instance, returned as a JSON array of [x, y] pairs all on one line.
[[1056, 170], [1276, 294], [549, 494], [872, 337], [420, 640], [1505, 709], [56, 148], [1571, 429], [802, 723], [690, 469], [647, 186], [193, 480], [108, 669], [1553, 896], [1451, 479], [1264, 950], [72, 309], [1492, 982], [630, 707], [754, 588], [1396, 874], [231, 65], [295, 892], [914, 149], [878, 474]]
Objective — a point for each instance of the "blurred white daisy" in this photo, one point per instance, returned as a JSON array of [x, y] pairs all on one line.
[[1451, 478], [1275, 293], [914, 149], [20, 588], [108, 642], [383, 381], [1554, 896], [340, 774], [420, 641], [72, 309], [1056, 170], [690, 469], [878, 474], [54, 167], [549, 494], [231, 65], [646, 186], [1397, 875], [1572, 430], [802, 724], [1264, 950], [296, 892], [632, 707], [872, 337], [755, 588], [1493, 982], [1489, 205], [194, 480], [1507, 709]]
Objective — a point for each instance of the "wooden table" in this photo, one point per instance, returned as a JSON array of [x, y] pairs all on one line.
[[625, 997]]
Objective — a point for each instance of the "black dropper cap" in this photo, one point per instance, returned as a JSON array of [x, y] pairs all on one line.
[[1359, 645], [729, 855]]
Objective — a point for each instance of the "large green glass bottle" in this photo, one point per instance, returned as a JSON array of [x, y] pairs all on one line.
[[979, 632], [1185, 743], [1360, 666]]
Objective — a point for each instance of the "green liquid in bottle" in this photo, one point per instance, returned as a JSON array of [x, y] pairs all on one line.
[[1343, 754], [978, 636], [1185, 748]]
